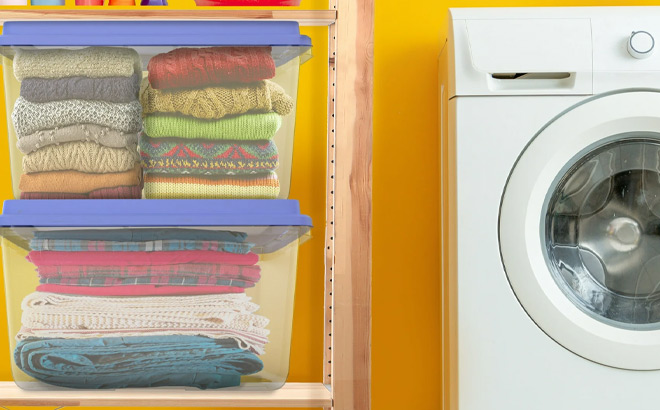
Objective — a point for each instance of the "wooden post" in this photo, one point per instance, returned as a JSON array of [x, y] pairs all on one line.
[[351, 308]]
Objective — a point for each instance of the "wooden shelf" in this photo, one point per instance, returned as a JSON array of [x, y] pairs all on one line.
[[304, 17], [291, 395], [347, 345]]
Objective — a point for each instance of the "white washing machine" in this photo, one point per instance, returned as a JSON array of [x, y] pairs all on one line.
[[551, 209]]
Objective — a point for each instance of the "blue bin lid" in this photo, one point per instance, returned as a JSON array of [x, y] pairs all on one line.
[[153, 33], [161, 212], [150, 37]]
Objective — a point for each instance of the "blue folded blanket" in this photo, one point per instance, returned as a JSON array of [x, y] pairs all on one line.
[[143, 234], [137, 361]]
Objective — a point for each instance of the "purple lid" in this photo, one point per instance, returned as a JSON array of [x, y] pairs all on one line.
[[161, 212], [153, 33]]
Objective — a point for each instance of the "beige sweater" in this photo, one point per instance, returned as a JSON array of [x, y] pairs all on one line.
[[217, 102], [83, 156], [78, 182], [92, 62], [78, 132]]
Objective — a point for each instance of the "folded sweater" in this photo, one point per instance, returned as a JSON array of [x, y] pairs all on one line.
[[81, 156], [111, 89], [157, 186], [120, 192], [248, 127], [213, 103], [29, 117], [88, 62], [137, 361], [78, 182], [199, 67], [199, 158], [78, 132]]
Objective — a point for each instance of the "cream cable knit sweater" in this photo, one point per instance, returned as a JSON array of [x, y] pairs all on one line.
[[31, 117]]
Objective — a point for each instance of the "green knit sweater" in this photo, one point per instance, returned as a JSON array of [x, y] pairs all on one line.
[[244, 127]]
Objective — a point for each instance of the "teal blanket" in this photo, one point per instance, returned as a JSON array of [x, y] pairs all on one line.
[[140, 361]]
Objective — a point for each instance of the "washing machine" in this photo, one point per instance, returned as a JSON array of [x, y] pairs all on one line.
[[550, 215]]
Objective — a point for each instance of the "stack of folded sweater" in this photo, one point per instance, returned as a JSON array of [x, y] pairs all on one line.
[[210, 118], [77, 121], [141, 308]]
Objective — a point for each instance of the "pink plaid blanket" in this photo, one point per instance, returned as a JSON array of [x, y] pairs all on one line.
[[138, 290], [139, 258]]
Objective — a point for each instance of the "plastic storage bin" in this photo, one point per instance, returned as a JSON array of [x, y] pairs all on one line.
[[130, 293], [206, 108]]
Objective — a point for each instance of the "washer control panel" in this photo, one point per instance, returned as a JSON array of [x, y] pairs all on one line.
[[625, 44]]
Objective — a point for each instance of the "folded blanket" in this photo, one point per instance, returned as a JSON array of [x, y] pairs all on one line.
[[139, 361], [121, 192], [184, 187], [76, 245], [84, 317], [98, 258], [79, 132], [143, 234], [248, 127], [138, 290], [110, 89], [89, 62], [29, 117], [192, 273], [171, 281], [213, 103], [200, 67], [198, 158], [83, 156], [78, 182]]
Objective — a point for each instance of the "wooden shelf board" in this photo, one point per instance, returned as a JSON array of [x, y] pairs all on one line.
[[291, 395], [304, 17]]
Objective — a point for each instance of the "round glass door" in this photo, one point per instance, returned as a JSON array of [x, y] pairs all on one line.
[[602, 232], [579, 229]]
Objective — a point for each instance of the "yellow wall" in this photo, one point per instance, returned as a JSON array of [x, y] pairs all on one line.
[[406, 323]]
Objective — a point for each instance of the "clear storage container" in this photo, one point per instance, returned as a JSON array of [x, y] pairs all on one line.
[[130, 293], [182, 109]]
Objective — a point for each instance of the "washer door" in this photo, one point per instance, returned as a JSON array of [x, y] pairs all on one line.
[[580, 229]]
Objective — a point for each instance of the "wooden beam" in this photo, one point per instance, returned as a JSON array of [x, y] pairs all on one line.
[[330, 206], [351, 346], [304, 17], [291, 395]]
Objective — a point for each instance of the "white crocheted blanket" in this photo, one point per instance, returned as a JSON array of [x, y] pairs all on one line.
[[217, 316]]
